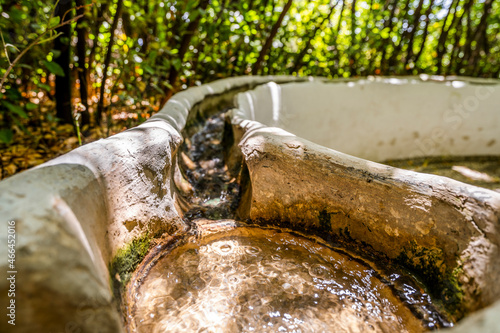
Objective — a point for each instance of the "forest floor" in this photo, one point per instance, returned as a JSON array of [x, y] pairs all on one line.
[[41, 139]]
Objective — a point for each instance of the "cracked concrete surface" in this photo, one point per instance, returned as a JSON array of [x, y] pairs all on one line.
[[445, 230], [74, 213]]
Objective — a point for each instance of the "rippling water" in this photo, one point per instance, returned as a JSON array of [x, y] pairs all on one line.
[[265, 280]]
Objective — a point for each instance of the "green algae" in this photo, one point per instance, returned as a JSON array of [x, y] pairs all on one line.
[[441, 280], [126, 261]]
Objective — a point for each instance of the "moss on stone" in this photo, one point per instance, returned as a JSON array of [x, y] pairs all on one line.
[[126, 260], [441, 280]]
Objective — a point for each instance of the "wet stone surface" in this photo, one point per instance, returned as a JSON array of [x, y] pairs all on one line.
[[216, 192], [481, 171], [250, 279], [226, 276]]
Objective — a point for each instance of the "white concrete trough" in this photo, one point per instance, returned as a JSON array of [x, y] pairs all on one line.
[[308, 146]]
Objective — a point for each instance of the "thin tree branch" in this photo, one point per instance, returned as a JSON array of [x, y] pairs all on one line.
[[36, 41], [426, 32], [478, 36], [336, 57], [5, 48], [441, 46], [300, 57], [107, 60], [269, 40], [388, 24], [409, 49], [402, 35]]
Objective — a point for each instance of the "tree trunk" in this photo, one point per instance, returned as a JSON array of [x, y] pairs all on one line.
[[81, 49], [185, 42], [402, 35], [426, 32], [97, 18], [456, 41], [365, 39], [107, 60], [479, 36], [441, 47], [267, 45], [352, 53], [144, 35], [409, 49], [63, 83], [336, 56], [388, 24], [466, 31]]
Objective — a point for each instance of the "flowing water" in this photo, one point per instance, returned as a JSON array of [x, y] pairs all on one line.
[[227, 276], [251, 279]]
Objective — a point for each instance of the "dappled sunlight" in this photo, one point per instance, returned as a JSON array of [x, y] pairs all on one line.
[[275, 91], [135, 59], [265, 280], [473, 174], [138, 214]]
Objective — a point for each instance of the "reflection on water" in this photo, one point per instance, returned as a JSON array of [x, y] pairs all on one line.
[[265, 280]]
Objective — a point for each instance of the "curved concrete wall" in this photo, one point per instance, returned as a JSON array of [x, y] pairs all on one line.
[[384, 118], [74, 213], [444, 230]]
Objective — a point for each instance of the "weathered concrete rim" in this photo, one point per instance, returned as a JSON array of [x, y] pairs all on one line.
[[266, 149], [77, 211]]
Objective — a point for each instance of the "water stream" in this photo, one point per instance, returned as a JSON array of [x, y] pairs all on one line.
[[229, 276], [253, 279]]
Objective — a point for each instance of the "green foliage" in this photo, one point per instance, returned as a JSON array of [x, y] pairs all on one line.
[[6, 135], [321, 38], [53, 67], [53, 21], [18, 74], [15, 109]]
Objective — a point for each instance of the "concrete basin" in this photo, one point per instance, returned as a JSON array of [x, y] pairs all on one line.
[[308, 147]]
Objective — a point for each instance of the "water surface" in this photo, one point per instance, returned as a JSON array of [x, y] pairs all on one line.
[[252, 279]]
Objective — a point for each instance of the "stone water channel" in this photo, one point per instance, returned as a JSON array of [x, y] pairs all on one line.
[[260, 204], [231, 276]]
